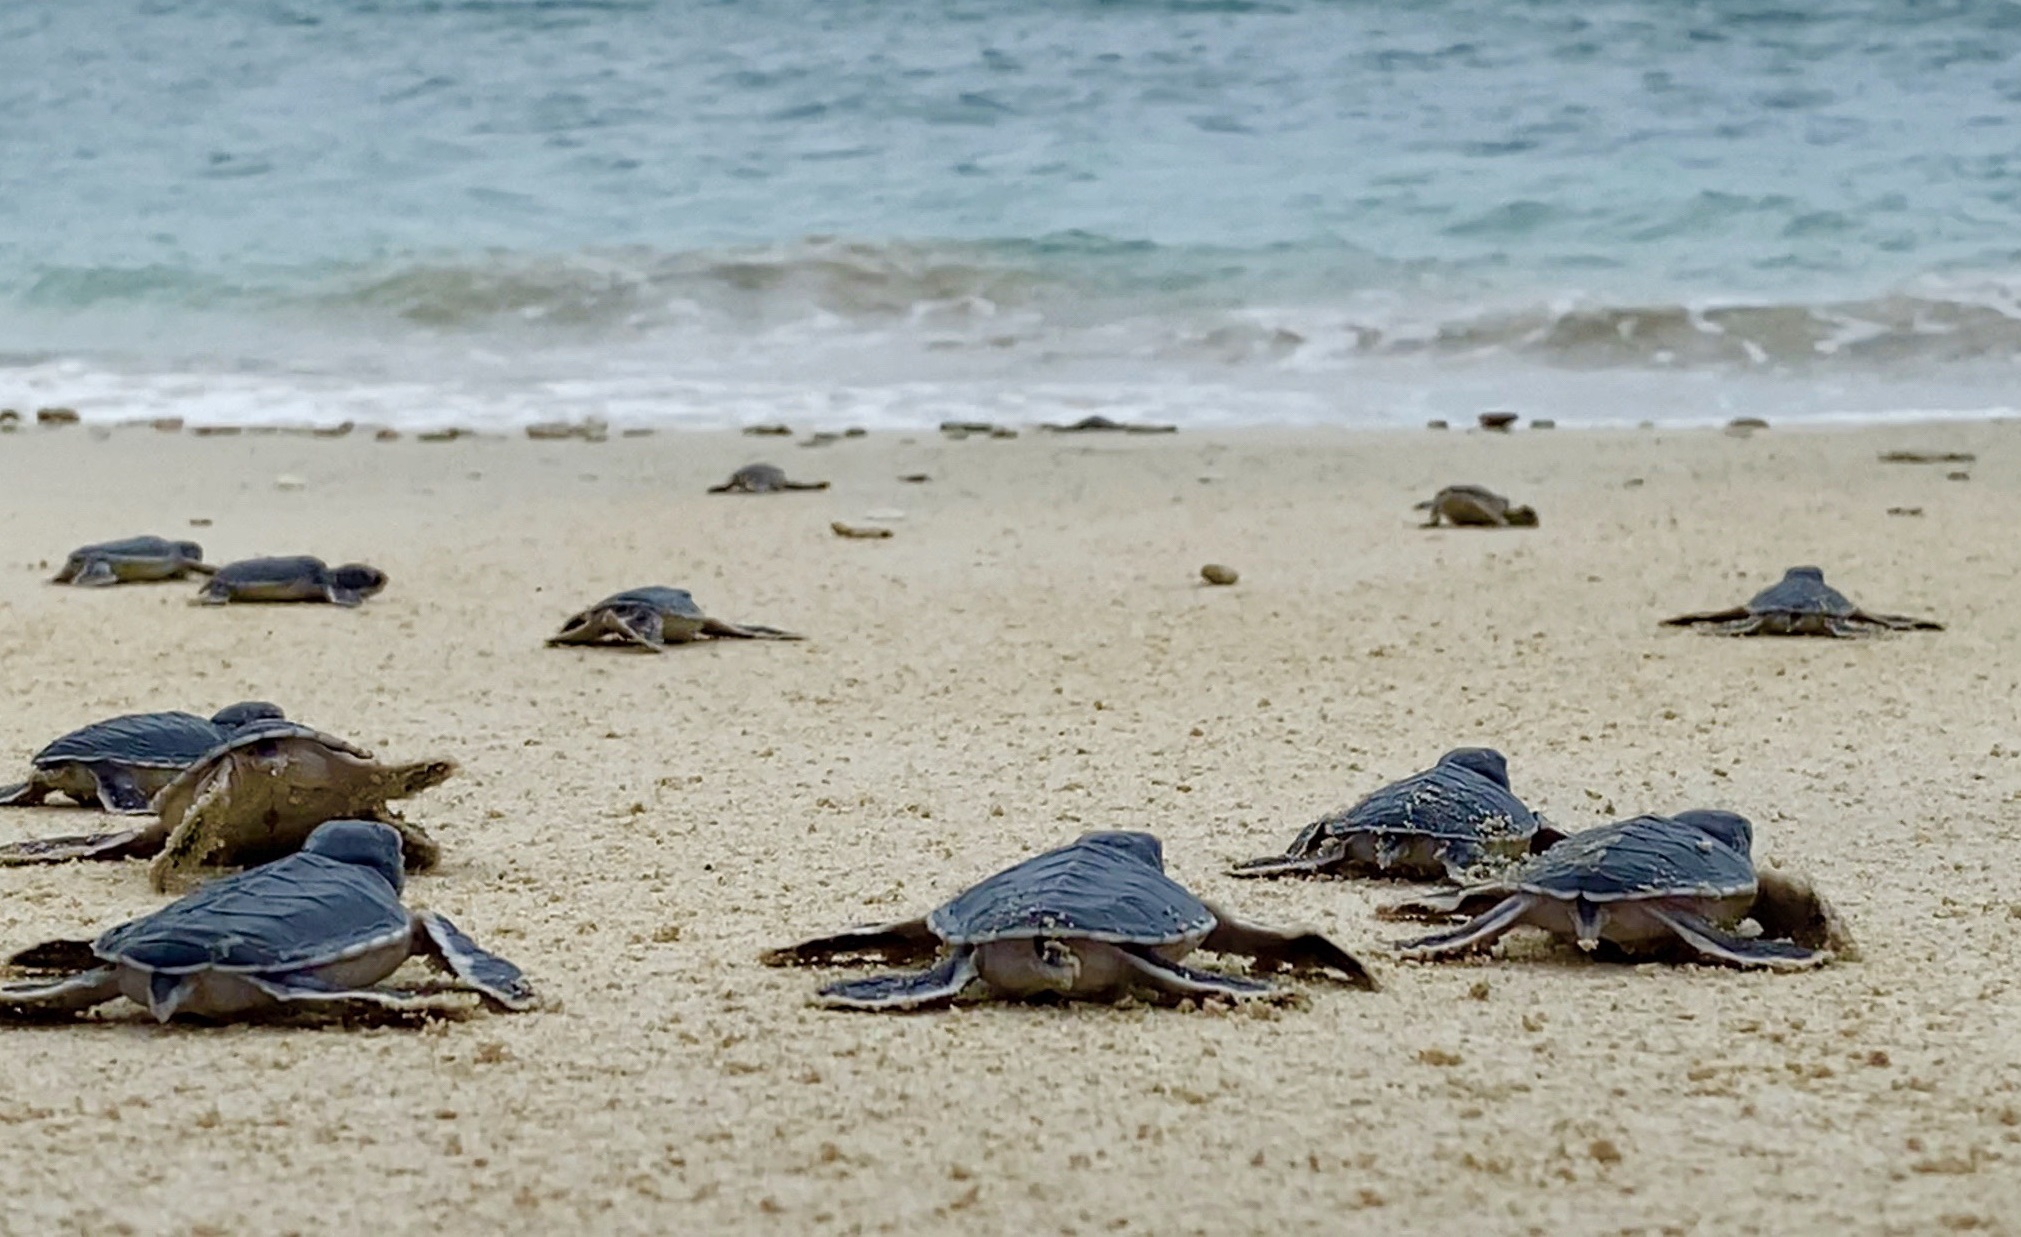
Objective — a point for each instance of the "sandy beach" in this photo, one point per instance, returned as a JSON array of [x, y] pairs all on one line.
[[1033, 655]]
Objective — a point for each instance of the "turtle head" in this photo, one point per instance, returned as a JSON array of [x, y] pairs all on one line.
[[1139, 846], [1485, 761], [1730, 828], [189, 550], [358, 578], [421, 775], [1521, 517], [366, 843], [246, 712], [1805, 573]]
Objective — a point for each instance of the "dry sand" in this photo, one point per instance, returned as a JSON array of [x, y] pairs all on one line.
[[1031, 656]]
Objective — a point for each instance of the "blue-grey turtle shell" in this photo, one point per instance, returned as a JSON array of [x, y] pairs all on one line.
[[301, 911], [1465, 797], [677, 602], [171, 740], [275, 570], [1802, 590], [1692, 854], [143, 547], [1105, 886]]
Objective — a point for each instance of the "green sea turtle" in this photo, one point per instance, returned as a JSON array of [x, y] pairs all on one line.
[[1454, 819], [1647, 886], [312, 933], [121, 763], [1800, 604], [763, 479], [1474, 506], [650, 618], [1094, 920], [253, 797], [296, 578], [130, 560]]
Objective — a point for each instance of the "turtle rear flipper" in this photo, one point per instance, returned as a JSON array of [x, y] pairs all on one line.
[[61, 998], [927, 989], [300, 992], [493, 978], [1720, 946], [23, 794], [117, 791], [1734, 615], [746, 631], [1477, 933], [66, 956], [1289, 951], [1178, 981], [803, 485], [907, 941], [1896, 622], [121, 844], [1284, 865], [1467, 902]]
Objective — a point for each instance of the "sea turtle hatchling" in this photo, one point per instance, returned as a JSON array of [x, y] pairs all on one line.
[[1475, 506], [312, 933], [1650, 885], [1094, 920], [1454, 819], [763, 479], [1800, 604], [121, 763], [252, 798], [296, 578], [131, 560], [650, 618]]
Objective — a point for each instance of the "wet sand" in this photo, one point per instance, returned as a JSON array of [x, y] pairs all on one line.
[[1033, 655]]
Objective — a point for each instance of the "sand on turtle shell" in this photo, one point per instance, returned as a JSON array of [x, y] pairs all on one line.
[[1035, 658]]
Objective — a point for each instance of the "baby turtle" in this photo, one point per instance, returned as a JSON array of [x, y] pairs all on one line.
[[133, 559], [1453, 819], [312, 932], [1095, 920], [650, 618], [123, 762], [1475, 506], [763, 479], [298, 578], [1650, 885], [255, 797], [1800, 604]]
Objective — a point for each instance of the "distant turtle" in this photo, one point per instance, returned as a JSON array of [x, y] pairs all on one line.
[[312, 932], [1099, 424], [1800, 604], [1650, 885], [1095, 920], [299, 578], [650, 618], [1455, 818], [123, 762], [1475, 506], [763, 479], [255, 797], [130, 560]]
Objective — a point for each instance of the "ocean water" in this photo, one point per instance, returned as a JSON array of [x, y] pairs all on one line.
[[889, 212]]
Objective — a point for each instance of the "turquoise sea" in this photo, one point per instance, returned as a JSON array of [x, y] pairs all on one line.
[[890, 213]]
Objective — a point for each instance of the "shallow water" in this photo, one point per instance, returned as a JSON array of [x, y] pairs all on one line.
[[889, 213]]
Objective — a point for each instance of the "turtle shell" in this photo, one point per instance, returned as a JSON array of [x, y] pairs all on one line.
[[171, 740], [668, 601], [1463, 798], [265, 730], [1103, 887], [1802, 590], [274, 570], [306, 910], [159, 549], [1692, 854]]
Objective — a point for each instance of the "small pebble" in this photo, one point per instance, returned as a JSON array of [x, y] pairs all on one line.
[[199, 521], [1436, 424], [1544, 423], [56, 416], [387, 435], [916, 478], [288, 481], [1957, 476], [167, 425], [858, 530], [769, 431], [1905, 511], [1216, 573]]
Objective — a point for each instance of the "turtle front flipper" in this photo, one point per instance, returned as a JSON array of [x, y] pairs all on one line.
[[418, 851], [1789, 909], [121, 844], [1285, 951], [24, 794], [927, 989], [301, 992], [491, 976], [1180, 982], [899, 943], [70, 957], [1469, 901], [746, 631], [95, 573], [194, 833], [117, 791], [1286, 865], [1711, 942], [1477, 933], [61, 998], [803, 485], [215, 592]]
